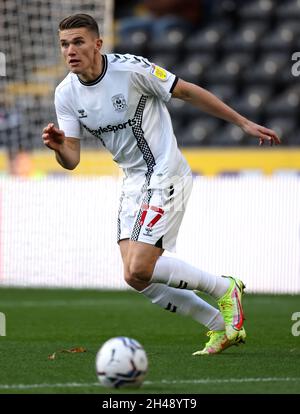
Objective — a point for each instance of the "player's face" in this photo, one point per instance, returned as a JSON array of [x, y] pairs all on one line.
[[80, 48]]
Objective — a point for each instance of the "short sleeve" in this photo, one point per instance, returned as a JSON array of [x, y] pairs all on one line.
[[67, 121], [156, 81]]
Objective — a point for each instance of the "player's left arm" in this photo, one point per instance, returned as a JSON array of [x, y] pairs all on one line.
[[209, 103]]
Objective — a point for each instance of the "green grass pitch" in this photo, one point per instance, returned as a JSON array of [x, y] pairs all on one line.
[[40, 322]]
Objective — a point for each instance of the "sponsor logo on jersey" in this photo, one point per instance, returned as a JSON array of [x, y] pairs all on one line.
[[82, 113], [159, 72], [119, 102], [115, 128], [110, 128]]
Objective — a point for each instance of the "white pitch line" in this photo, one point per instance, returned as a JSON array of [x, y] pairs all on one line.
[[49, 303], [164, 382], [228, 380], [32, 386]]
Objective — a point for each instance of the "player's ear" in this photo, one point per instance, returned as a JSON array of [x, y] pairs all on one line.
[[99, 43]]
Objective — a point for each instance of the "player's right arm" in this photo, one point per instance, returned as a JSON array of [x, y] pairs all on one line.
[[67, 149]]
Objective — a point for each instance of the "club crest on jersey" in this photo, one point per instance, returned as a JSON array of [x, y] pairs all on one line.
[[82, 113], [119, 102]]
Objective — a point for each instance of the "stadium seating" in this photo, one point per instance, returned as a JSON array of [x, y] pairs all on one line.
[[267, 69], [228, 135], [253, 101], [246, 38], [170, 42], [241, 53], [198, 132], [282, 38], [286, 103], [256, 10], [193, 67], [209, 38], [288, 10], [223, 92], [135, 42], [229, 70]]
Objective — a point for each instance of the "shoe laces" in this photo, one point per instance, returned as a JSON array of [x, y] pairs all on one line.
[[211, 335]]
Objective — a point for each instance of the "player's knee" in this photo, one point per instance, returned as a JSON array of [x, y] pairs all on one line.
[[137, 272], [127, 277]]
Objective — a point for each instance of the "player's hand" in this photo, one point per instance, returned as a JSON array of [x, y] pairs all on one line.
[[262, 133], [53, 137]]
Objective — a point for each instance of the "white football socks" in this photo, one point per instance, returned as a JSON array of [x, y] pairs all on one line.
[[185, 302], [178, 274]]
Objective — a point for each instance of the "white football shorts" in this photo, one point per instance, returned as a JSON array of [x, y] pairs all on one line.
[[153, 214]]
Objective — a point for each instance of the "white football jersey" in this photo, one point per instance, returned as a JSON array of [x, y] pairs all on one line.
[[125, 109]]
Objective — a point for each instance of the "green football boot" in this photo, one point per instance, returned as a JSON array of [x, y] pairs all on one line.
[[230, 306], [218, 342]]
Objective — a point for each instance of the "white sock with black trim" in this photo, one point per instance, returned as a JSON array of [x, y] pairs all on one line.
[[185, 302], [176, 273]]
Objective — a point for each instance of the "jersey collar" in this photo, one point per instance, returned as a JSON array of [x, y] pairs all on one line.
[[100, 77]]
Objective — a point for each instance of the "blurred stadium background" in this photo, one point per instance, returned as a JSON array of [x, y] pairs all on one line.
[[58, 227]]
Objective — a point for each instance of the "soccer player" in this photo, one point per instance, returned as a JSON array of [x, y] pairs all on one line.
[[120, 99]]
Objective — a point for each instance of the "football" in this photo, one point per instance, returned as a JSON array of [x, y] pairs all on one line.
[[121, 362]]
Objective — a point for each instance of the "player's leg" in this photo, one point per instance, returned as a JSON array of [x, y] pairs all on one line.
[[157, 223], [153, 228], [227, 291], [157, 227], [144, 260], [145, 264], [140, 261], [149, 266], [182, 302]]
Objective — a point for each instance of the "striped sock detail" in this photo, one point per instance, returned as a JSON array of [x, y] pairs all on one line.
[[171, 308], [182, 285]]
